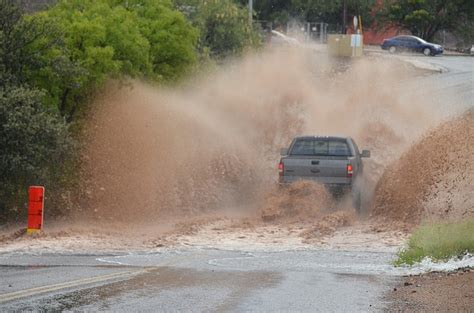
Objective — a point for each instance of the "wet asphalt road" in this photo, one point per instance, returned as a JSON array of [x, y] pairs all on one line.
[[200, 279], [453, 88]]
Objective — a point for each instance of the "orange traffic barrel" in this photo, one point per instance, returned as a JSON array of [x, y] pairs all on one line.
[[35, 208]]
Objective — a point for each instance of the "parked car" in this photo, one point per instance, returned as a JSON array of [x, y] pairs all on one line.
[[333, 161], [411, 43]]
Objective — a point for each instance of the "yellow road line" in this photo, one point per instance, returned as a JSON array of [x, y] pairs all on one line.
[[75, 283], [80, 282]]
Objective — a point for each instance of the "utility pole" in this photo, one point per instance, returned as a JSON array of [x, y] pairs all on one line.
[[344, 16], [250, 12]]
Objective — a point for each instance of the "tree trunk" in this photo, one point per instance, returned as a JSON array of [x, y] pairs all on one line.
[[62, 105]]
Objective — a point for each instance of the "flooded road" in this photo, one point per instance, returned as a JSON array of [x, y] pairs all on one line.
[[198, 279], [202, 279]]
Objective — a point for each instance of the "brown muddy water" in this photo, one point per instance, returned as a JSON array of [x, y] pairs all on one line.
[[209, 147]]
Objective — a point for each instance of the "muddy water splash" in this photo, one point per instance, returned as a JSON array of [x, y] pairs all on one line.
[[433, 180], [211, 145]]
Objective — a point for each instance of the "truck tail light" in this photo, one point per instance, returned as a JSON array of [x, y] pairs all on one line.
[[349, 170], [281, 168]]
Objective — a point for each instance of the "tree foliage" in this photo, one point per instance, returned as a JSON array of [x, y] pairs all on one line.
[[32, 141], [171, 37], [30, 135], [223, 24], [105, 39], [23, 42], [283, 11], [424, 18]]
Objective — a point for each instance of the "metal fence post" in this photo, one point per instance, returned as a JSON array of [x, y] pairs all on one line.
[[321, 32]]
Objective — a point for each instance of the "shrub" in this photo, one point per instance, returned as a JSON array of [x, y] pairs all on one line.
[[33, 140], [440, 242]]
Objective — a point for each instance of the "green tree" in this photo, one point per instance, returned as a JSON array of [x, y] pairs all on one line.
[[23, 42], [223, 24], [106, 39], [172, 39], [100, 42], [424, 18], [34, 144]]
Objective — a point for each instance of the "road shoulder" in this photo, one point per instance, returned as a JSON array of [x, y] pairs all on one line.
[[434, 292]]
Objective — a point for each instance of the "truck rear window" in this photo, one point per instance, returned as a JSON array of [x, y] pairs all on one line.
[[321, 147]]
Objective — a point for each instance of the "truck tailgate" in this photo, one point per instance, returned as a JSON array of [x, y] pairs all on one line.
[[324, 169]]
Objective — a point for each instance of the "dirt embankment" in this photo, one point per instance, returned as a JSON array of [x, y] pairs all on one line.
[[433, 180]]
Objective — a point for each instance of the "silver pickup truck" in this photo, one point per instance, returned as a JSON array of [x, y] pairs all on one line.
[[333, 161]]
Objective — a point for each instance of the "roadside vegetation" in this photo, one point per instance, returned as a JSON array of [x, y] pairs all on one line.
[[440, 242], [426, 18], [223, 27], [280, 12]]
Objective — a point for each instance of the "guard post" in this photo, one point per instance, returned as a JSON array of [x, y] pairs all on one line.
[[35, 209]]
